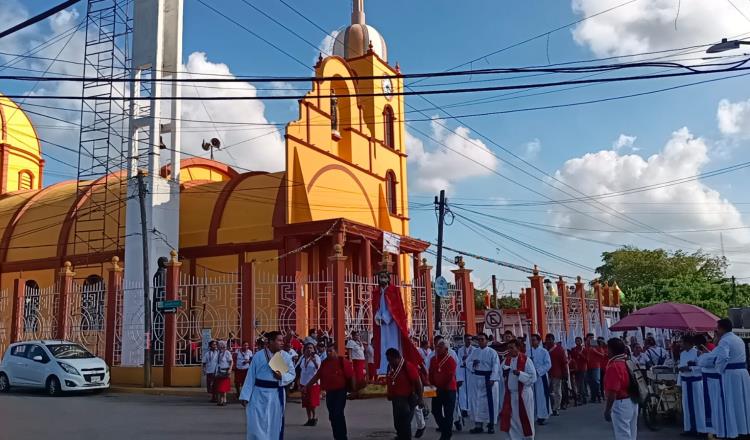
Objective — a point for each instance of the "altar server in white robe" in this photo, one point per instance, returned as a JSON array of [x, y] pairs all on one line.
[[731, 364], [691, 380], [263, 394], [519, 372], [463, 375], [714, 408], [484, 394], [540, 357]]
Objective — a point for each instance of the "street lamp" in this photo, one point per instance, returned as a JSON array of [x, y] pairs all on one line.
[[726, 45]]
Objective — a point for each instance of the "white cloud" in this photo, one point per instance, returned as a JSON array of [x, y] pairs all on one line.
[[650, 25], [532, 149], [454, 157], [624, 142], [326, 45], [687, 206], [734, 118], [254, 146]]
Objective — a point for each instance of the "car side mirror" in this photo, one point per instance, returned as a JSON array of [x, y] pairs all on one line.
[[37, 358]]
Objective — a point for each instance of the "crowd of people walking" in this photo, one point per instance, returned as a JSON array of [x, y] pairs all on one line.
[[513, 384]]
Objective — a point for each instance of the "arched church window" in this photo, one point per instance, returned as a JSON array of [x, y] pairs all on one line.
[[31, 299], [92, 303], [388, 123], [334, 112], [390, 192], [25, 180]]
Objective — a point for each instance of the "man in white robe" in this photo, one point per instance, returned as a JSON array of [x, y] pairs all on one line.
[[516, 416], [691, 380], [463, 375], [484, 395], [731, 364], [712, 394], [542, 362], [263, 395]]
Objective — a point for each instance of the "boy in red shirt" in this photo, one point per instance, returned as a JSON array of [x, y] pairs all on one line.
[[578, 356], [620, 409], [595, 358], [404, 391], [334, 373], [443, 375]]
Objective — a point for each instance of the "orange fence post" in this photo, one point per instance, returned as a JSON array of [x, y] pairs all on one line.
[[114, 287], [338, 272], [63, 308], [425, 274], [170, 319], [562, 291], [463, 281]]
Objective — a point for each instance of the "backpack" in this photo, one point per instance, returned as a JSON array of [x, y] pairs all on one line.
[[637, 386]]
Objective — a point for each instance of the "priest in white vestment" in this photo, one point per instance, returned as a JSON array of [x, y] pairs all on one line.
[[731, 363], [691, 381], [540, 357], [463, 375], [484, 394], [712, 394], [263, 394], [516, 416]]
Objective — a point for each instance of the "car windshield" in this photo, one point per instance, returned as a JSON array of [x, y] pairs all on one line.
[[69, 351]]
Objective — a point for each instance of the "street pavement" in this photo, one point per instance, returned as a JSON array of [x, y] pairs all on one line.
[[112, 416]]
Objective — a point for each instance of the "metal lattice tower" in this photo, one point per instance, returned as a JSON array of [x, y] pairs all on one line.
[[104, 135]]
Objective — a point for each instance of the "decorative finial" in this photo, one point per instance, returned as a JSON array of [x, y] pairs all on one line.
[[68, 265], [398, 67], [385, 261], [578, 278], [424, 261], [173, 255], [370, 47], [560, 278], [338, 250], [536, 270], [115, 262], [460, 262], [320, 60]]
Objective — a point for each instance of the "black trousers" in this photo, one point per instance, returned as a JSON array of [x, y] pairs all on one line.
[[403, 411], [443, 406], [336, 402]]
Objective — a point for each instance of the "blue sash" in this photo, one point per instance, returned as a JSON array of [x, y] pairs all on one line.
[[545, 385], [260, 383], [488, 387], [689, 380], [736, 366], [707, 398]]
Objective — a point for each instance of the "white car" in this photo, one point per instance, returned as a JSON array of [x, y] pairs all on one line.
[[56, 366]]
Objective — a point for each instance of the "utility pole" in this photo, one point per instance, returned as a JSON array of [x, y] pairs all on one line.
[[146, 286], [494, 290], [734, 291], [440, 205]]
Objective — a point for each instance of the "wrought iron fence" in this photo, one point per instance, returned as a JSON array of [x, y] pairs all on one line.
[[40, 312], [419, 316], [555, 321], [87, 308], [452, 310], [358, 305]]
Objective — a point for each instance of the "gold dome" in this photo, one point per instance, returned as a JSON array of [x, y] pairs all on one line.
[[22, 164]]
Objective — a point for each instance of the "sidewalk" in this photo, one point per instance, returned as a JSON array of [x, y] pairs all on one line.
[[191, 392]]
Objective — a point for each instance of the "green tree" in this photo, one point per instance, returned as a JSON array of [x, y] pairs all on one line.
[[648, 277]]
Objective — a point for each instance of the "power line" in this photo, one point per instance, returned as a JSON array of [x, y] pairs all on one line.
[[39, 17]]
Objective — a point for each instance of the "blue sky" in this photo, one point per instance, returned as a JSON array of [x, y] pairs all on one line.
[[576, 142]]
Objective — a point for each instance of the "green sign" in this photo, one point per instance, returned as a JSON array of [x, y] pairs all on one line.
[[171, 305]]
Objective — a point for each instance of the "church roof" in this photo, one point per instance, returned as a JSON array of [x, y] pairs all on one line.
[[217, 206], [16, 128]]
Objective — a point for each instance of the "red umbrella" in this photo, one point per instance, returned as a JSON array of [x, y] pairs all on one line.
[[672, 316]]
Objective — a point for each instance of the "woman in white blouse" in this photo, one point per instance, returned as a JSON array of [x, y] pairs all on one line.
[[244, 357], [309, 365]]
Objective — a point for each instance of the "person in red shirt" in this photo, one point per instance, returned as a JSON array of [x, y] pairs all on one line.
[[443, 375], [578, 356], [558, 372], [335, 375], [619, 409], [595, 357], [404, 391]]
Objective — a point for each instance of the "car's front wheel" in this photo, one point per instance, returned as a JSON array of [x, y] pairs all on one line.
[[53, 386], [4, 383]]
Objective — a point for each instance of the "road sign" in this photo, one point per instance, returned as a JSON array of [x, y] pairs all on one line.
[[493, 319], [169, 306], [441, 287]]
